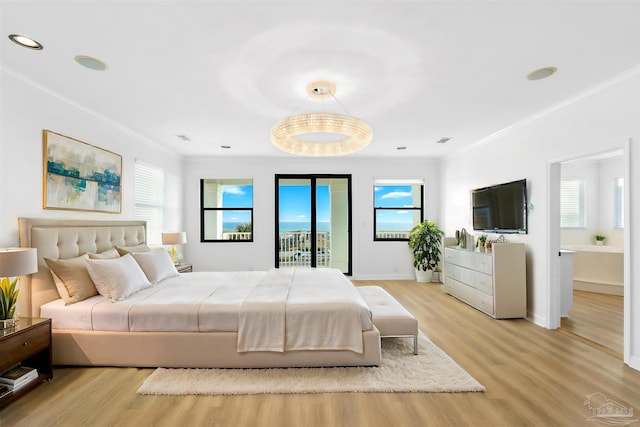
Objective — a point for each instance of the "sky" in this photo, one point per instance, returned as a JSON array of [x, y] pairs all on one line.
[[295, 203], [237, 196], [394, 196]]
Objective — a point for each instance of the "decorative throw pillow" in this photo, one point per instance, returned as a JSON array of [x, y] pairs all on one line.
[[123, 250], [121, 276], [157, 265], [108, 254], [75, 278]]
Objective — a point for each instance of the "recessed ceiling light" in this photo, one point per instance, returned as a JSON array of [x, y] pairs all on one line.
[[25, 41], [443, 140], [541, 73], [226, 147], [91, 63], [401, 148]]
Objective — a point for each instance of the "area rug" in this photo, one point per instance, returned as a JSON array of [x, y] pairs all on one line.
[[400, 371]]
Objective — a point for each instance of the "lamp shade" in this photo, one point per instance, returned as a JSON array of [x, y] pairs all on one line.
[[178, 238], [18, 261]]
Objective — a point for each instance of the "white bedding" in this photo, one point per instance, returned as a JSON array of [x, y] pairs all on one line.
[[317, 306]]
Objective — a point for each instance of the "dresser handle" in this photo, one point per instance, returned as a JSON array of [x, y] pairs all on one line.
[[24, 345]]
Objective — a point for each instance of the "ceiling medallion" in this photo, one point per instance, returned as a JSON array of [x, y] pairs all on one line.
[[352, 134]]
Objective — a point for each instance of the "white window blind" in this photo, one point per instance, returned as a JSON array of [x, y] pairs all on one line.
[[618, 203], [149, 195], [572, 204]]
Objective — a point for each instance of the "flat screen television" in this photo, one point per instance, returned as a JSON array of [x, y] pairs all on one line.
[[501, 208]]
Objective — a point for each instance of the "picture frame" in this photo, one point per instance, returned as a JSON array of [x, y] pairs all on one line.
[[79, 176]]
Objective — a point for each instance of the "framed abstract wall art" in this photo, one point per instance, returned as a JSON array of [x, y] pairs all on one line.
[[79, 176]]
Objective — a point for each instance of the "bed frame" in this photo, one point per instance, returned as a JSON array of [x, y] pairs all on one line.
[[71, 238]]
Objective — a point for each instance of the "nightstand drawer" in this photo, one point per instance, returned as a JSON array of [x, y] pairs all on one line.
[[20, 346]]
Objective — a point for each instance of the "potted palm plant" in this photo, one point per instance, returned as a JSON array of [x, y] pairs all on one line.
[[424, 242]]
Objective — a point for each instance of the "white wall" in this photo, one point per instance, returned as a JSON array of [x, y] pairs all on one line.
[[25, 112], [371, 259], [603, 119]]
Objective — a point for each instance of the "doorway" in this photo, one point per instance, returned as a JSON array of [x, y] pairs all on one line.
[[313, 221], [592, 203]]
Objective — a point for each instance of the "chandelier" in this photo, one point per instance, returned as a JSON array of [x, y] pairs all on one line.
[[353, 134]]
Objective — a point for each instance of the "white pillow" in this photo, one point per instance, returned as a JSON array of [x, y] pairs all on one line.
[[108, 254], [120, 276], [157, 265]]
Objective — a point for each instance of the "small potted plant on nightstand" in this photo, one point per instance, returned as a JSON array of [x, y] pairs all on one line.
[[8, 299], [600, 239], [424, 241]]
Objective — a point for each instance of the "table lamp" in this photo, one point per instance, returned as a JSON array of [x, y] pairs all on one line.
[[14, 262], [173, 239]]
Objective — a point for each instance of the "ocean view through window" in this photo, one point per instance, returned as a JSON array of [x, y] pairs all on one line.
[[227, 210], [313, 219], [397, 208]]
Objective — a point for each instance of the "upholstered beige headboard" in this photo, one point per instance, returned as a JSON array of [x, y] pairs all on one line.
[[67, 239]]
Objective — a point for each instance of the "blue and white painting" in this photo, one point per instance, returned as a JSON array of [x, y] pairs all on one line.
[[80, 176]]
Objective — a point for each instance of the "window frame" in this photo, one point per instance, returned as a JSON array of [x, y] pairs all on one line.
[[395, 183], [204, 210]]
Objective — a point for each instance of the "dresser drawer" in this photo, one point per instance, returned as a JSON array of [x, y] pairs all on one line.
[[483, 263], [471, 296], [18, 347], [482, 282]]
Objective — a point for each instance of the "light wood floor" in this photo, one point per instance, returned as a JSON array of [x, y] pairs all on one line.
[[533, 377], [598, 318]]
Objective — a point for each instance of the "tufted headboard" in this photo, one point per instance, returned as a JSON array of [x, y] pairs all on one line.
[[67, 239]]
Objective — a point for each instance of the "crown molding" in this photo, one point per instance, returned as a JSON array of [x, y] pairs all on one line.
[[12, 75]]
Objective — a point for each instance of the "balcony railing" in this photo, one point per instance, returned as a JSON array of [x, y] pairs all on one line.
[[235, 235], [295, 249], [392, 235]]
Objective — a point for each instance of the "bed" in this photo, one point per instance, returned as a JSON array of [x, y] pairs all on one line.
[[130, 332]]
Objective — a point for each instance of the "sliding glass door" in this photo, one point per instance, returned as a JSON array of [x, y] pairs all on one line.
[[313, 221]]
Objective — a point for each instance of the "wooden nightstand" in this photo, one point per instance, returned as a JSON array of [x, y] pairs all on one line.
[[28, 344], [184, 268]]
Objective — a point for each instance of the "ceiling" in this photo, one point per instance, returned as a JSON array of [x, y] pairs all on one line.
[[223, 72]]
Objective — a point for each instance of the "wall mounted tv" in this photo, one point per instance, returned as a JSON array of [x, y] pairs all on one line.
[[501, 208]]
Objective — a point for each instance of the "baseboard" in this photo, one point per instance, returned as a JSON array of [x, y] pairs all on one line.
[[634, 362], [601, 288]]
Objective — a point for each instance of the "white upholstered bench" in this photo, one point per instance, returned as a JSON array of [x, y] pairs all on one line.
[[389, 316]]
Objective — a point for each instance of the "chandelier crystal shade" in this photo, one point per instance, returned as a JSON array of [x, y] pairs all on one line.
[[353, 134]]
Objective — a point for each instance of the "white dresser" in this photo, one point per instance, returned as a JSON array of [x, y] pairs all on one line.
[[494, 283]]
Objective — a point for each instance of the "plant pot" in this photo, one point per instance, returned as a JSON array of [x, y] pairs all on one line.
[[435, 277], [599, 242], [423, 276]]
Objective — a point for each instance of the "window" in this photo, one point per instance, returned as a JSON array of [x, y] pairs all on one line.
[[227, 210], [149, 200], [618, 203], [572, 204], [397, 208]]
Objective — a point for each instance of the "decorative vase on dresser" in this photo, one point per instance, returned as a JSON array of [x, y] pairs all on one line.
[[495, 283]]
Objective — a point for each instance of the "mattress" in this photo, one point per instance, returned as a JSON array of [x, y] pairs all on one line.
[[212, 301]]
